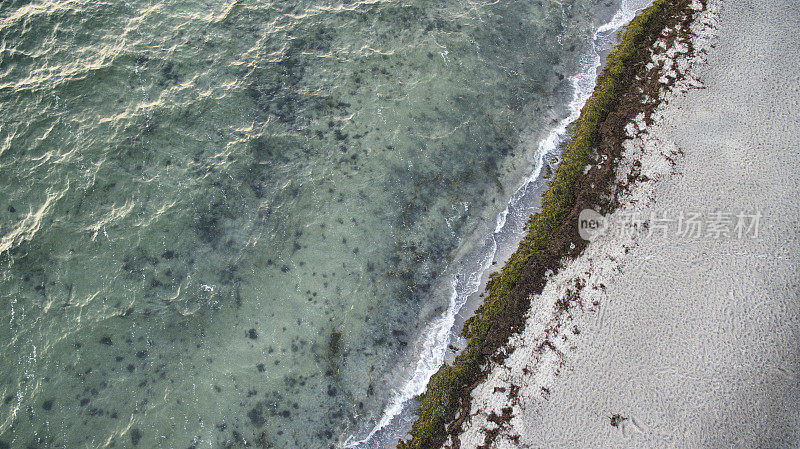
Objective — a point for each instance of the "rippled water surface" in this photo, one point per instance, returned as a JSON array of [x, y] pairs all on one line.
[[227, 223]]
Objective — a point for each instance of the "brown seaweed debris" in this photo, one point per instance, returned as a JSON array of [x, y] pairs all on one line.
[[616, 419], [552, 234]]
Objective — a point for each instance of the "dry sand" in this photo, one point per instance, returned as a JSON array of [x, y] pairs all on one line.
[[691, 341]]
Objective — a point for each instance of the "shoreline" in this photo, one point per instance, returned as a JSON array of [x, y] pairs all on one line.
[[652, 336], [509, 226], [551, 235]]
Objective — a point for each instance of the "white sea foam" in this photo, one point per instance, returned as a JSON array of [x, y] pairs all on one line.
[[440, 332]]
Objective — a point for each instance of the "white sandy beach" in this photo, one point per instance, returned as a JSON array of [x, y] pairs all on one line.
[[691, 341]]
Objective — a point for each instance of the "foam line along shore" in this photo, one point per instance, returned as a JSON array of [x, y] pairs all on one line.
[[509, 230], [595, 143], [660, 333]]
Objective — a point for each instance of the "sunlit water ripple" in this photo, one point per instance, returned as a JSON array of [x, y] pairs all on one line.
[[233, 223]]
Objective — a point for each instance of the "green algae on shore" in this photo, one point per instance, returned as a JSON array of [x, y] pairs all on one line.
[[449, 390]]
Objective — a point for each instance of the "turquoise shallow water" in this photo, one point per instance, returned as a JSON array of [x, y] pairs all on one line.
[[225, 223]]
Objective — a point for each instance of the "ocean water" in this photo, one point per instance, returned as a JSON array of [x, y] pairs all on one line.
[[239, 223]]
